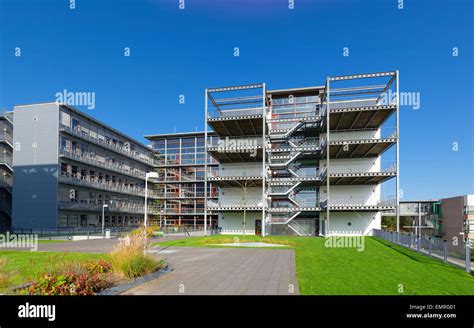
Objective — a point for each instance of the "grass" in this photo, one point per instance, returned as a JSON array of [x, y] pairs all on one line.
[[25, 266], [213, 241], [129, 260], [382, 268], [47, 241]]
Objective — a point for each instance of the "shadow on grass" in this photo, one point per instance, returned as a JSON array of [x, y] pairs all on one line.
[[402, 250]]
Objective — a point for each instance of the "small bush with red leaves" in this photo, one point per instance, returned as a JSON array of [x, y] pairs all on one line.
[[74, 279]]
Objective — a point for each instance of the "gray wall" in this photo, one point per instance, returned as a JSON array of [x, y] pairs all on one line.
[[35, 169]]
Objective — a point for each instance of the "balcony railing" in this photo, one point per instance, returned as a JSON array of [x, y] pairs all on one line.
[[184, 195], [6, 159], [230, 143], [4, 135], [114, 147], [96, 206], [86, 158], [350, 200], [217, 113], [240, 172], [107, 186]]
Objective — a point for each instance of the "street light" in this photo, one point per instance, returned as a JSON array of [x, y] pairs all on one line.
[[103, 220], [161, 213], [147, 176]]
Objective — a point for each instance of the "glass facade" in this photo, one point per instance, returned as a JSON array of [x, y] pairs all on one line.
[[180, 161]]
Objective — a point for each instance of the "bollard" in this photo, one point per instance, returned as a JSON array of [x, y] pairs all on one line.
[[445, 250], [429, 246]]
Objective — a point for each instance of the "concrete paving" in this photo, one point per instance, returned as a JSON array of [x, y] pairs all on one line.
[[89, 246], [224, 271]]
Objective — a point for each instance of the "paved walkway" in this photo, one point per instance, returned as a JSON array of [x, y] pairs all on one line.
[[89, 246], [224, 271]]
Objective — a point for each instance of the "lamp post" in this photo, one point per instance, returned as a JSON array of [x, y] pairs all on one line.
[[161, 213], [103, 217]]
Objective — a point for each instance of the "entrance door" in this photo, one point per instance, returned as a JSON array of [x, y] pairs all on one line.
[[258, 227]]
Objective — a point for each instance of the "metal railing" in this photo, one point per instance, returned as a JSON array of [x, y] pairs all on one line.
[[107, 186], [114, 147], [442, 249], [4, 135], [251, 111], [74, 231], [84, 157], [96, 206]]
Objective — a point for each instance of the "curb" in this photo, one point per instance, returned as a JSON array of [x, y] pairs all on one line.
[[116, 290]]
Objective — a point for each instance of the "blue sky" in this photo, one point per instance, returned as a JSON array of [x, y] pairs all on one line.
[[181, 52]]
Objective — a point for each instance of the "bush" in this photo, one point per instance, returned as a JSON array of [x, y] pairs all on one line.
[[150, 231], [6, 277], [74, 279], [129, 259]]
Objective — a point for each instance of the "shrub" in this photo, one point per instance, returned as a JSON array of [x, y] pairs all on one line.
[[74, 279], [150, 231], [129, 259], [6, 277]]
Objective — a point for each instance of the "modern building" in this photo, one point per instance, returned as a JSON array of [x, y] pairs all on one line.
[[417, 216], [6, 169], [448, 218], [305, 161], [179, 190], [69, 167]]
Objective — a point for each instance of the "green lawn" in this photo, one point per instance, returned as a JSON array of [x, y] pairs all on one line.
[[25, 265], [48, 241], [382, 268]]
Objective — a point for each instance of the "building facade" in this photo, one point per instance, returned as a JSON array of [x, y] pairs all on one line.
[[304, 161], [180, 163], [69, 167], [6, 169]]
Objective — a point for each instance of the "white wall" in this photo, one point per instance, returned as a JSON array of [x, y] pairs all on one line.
[[232, 222], [352, 135], [361, 223], [240, 169], [357, 194], [356, 165], [234, 196]]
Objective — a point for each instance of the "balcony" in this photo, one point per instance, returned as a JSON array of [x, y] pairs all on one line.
[[358, 203], [387, 172], [87, 159], [106, 186], [184, 195], [96, 206], [155, 210], [6, 207], [6, 160], [6, 136], [224, 179], [109, 146], [234, 204], [242, 149]]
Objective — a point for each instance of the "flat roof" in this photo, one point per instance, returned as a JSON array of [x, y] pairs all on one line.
[[89, 117], [295, 90], [177, 135]]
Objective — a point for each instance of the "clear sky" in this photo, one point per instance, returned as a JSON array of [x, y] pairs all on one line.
[[177, 52]]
